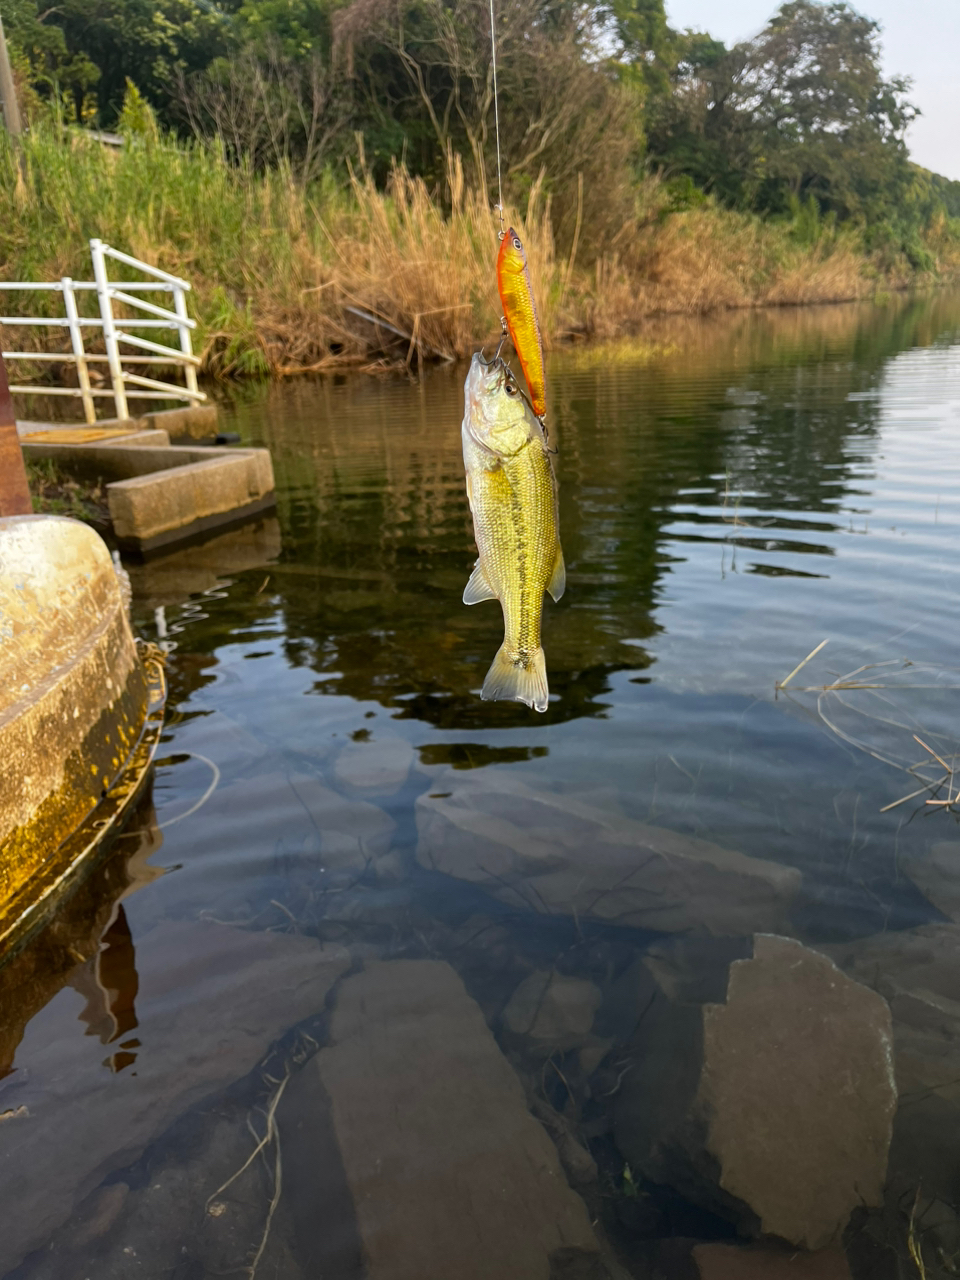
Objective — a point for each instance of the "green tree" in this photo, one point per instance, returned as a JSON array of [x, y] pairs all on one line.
[[83, 45], [802, 110], [53, 69]]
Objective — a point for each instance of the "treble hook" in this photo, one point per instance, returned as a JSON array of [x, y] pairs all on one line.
[[496, 358]]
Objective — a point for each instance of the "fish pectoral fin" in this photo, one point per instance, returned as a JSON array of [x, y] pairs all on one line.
[[478, 588], [558, 579]]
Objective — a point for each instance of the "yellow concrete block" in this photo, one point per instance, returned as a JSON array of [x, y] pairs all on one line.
[[73, 697]]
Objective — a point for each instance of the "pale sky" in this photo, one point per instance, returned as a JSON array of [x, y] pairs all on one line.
[[919, 39]]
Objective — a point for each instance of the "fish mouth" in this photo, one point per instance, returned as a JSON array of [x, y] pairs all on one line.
[[486, 378]]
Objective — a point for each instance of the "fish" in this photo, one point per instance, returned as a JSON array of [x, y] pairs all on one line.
[[520, 313], [512, 491]]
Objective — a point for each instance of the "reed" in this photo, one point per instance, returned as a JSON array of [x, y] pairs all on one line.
[[290, 279]]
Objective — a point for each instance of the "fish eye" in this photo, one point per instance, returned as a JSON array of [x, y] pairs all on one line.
[[516, 243]]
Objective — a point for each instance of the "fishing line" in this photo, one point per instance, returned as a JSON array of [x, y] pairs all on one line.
[[496, 117]]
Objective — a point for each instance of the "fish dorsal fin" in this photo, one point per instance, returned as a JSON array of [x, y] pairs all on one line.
[[558, 579], [478, 588]]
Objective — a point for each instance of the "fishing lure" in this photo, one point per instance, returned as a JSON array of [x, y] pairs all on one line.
[[520, 314]]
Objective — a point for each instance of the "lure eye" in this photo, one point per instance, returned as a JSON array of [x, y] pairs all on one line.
[[510, 389], [516, 243]]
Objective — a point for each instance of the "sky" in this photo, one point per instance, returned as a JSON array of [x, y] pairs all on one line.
[[919, 39]]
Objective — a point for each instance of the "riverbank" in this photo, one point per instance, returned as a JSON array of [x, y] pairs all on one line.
[[289, 280]]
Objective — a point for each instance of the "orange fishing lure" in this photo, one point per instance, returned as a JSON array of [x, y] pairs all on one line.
[[520, 313]]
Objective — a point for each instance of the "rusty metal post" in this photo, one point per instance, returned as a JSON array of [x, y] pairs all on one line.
[[14, 494]]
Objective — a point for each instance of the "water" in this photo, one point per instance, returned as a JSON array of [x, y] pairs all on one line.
[[751, 488]]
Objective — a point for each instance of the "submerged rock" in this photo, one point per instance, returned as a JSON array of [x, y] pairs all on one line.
[[555, 1010], [937, 876], [774, 1108], [553, 853], [167, 1224], [734, 1262], [288, 825], [449, 1172], [380, 765], [918, 972], [210, 1000]]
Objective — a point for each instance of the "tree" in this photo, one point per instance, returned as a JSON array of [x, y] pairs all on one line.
[[423, 69], [53, 70], [79, 46], [269, 109], [802, 110]]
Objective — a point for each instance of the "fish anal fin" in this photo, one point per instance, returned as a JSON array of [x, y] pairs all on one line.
[[478, 588], [518, 678], [558, 579]]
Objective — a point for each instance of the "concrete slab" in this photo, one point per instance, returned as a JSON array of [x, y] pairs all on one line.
[[118, 425], [197, 422], [210, 1000], [47, 441], [450, 1174]]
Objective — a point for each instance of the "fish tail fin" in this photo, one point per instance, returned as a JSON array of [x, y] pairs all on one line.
[[518, 677]]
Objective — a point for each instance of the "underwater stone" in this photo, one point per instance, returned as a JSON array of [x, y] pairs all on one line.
[[552, 853], [918, 972], [450, 1174], [380, 765], [211, 1000], [553, 1009], [733, 1262], [774, 1108], [937, 876]]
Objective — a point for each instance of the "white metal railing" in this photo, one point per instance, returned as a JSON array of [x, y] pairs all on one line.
[[124, 385]]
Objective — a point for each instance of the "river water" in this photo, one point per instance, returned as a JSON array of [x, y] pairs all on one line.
[[733, 493]]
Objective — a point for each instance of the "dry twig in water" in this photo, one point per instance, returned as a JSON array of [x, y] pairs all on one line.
[[272, 1134]]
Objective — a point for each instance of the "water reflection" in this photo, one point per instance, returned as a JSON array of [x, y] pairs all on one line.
[[109, 983], [475, 755], [87, 946], [766, 434]]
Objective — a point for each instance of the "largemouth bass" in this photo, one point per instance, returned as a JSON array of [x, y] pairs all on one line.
[[520, 313], [513, 500]]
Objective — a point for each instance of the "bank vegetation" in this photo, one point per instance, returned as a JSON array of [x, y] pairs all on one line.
[[325, 174]]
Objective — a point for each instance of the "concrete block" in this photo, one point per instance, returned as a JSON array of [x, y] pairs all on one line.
[[151, 510], [147, 505], [73, 696], [117, 460], [196, 420]]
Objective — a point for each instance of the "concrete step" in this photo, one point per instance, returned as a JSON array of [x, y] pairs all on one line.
[[159, 494]]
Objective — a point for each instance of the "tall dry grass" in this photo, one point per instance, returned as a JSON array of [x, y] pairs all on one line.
[[288, 279]]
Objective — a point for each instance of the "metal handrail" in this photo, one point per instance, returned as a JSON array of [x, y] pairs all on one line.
[[124, 385]]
